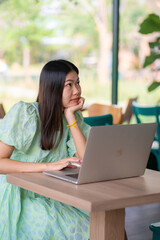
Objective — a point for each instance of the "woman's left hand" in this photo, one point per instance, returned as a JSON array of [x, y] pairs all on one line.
[[75, 108], [79, 106]]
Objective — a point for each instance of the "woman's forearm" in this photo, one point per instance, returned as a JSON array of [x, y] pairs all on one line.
[[12, 166], [78, 137], [79, 140]]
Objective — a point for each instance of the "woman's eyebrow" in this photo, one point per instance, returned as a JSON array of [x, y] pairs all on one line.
[[71, 80]]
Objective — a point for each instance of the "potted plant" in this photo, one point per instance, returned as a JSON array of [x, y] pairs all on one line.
[[151, 25]]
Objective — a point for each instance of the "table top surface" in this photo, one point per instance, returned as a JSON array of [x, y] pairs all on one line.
[[98, 196]]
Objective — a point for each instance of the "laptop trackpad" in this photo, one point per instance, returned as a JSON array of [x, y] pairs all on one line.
[[73, 175], [71, 172], [66, 173], [68, 170]]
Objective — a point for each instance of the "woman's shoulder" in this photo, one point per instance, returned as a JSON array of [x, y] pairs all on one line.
[[24, 108], [22, 121], [21, 113]]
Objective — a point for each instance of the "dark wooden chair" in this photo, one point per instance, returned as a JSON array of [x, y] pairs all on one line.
[[2, 111], [127, 115]]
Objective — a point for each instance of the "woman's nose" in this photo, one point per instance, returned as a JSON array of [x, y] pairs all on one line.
[[76, 90]]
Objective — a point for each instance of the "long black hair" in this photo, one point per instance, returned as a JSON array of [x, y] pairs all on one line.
[[52, 79]]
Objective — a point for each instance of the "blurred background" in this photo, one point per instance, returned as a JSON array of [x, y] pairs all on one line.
[[32, 32]]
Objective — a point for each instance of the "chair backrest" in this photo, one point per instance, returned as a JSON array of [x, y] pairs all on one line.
[[150, 112], [101, 120], [2, 111], [102, 109], [126, 116]]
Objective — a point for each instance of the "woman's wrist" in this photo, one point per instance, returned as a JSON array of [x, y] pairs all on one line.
[[70, 117], [72, 124], [71, 121]]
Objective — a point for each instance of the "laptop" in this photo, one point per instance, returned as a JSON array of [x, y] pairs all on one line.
[[112, 152]]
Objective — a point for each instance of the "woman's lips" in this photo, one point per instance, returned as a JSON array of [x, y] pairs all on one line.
[[75, 99]]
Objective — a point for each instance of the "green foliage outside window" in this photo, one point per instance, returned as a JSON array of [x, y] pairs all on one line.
[[151, 25]]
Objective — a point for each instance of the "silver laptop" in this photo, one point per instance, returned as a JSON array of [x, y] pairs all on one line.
[[112, 152]]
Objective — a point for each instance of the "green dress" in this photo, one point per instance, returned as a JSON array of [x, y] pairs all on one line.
[[25, 215]]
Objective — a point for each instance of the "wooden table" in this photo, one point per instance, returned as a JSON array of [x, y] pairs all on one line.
[[106, 201]]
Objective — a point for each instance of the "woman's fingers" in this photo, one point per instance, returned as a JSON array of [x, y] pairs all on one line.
[[82, 99], [66, 162], [75, 108]]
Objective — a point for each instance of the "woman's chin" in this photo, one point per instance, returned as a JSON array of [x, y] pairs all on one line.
[[72, 104]]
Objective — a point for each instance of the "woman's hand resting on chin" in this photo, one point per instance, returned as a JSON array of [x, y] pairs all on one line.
[[73, 109]]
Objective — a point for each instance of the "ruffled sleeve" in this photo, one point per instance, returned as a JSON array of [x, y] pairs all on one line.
[[19, 125], [85, 130]]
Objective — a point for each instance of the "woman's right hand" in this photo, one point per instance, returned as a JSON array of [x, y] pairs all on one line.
[[8, 165], [63, 163]]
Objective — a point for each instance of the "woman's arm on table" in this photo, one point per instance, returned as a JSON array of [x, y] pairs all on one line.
[[8, 165]]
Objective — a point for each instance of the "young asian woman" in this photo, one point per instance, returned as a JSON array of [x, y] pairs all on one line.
[[48, 134]]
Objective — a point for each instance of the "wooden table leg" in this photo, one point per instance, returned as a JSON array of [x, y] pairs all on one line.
[[107, 225]]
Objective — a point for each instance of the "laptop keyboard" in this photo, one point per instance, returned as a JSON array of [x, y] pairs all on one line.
[[72, 175]]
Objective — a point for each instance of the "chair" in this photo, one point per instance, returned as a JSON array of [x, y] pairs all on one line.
[[99, 120], [150, 114], [2, 111], [155, 228], [101, 109], [127, 115]]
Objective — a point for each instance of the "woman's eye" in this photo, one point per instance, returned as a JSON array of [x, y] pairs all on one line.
[[78, 83], [69, 85]]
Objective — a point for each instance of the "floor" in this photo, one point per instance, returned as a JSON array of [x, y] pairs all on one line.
[[138, 220]]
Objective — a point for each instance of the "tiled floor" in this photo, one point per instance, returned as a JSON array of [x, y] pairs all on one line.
[[138, 220]]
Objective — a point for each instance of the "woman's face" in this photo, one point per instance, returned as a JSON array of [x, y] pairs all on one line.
[[72, 90]]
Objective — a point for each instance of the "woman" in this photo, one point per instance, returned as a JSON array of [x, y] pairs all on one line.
[[49, 134]]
